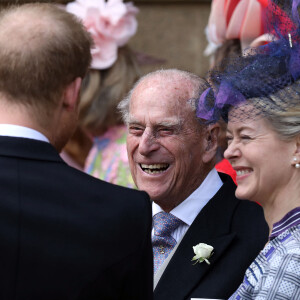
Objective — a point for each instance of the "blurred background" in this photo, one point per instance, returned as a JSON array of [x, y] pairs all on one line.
[[170, 33]]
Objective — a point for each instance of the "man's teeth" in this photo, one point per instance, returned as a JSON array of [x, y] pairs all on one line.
[[242, 172], [155, 168]]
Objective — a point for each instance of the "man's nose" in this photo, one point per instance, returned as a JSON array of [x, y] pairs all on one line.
[[148, 143]]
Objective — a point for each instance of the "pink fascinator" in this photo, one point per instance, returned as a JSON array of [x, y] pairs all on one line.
[[111, 23], [236, 19]]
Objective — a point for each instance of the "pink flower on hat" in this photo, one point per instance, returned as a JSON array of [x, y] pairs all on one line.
[[111, 25], [121, 23]]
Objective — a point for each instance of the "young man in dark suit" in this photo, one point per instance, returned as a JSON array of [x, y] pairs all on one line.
[[64, 235], [172, 158]]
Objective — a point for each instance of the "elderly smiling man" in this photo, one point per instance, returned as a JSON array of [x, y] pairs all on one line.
[[172, 157]]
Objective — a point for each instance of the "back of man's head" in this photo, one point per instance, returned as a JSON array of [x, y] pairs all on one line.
[[42, 50]]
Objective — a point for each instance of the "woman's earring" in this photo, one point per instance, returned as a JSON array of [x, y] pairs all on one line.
[[295, 160]]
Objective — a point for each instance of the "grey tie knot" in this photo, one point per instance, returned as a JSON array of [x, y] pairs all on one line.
[[164, 223]]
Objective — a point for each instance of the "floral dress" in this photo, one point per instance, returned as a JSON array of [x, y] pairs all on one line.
[[108, 159]]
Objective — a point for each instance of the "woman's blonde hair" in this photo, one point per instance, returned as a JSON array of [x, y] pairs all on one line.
[[284, 118]]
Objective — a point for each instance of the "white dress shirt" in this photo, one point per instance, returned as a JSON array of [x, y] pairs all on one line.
[[188, 210], [22, 132]]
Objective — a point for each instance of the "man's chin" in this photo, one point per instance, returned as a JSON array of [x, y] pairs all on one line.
[[152, 189], [158, 198]]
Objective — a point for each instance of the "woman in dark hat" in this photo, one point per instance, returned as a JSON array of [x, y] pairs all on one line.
[[259, 96]]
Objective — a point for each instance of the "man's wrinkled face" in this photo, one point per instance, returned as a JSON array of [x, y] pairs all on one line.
[[165, 143]]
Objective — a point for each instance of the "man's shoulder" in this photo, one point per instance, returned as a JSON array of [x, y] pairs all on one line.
[[92, 185], [248, 220], [105, 203], [249, 209]]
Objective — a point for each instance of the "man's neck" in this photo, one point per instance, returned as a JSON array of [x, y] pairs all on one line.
[[20, 115]]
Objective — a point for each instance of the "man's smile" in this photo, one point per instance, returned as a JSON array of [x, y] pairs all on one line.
[[154, 168]]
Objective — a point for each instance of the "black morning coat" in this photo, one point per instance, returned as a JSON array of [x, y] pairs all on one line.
[[236, 229], [66, 235]]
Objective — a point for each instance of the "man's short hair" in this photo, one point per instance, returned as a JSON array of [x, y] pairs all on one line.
[[42, 50]]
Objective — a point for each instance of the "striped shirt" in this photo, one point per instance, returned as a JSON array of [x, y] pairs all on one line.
[[275, 273], [289, 220]]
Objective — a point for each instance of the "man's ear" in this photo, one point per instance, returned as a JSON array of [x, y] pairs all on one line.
[[211, 142], [71, 93]]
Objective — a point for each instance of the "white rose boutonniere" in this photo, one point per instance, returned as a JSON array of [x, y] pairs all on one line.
[[203, 253]]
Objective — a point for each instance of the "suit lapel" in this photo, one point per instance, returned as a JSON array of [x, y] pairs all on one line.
[[181, 276]]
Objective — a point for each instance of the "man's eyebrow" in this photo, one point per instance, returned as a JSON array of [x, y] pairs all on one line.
[[176, 123], [167, 123], [133, 121]]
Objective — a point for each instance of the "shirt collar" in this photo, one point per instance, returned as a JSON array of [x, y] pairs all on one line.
[[188, 210], [291, 219], [22, 132]]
